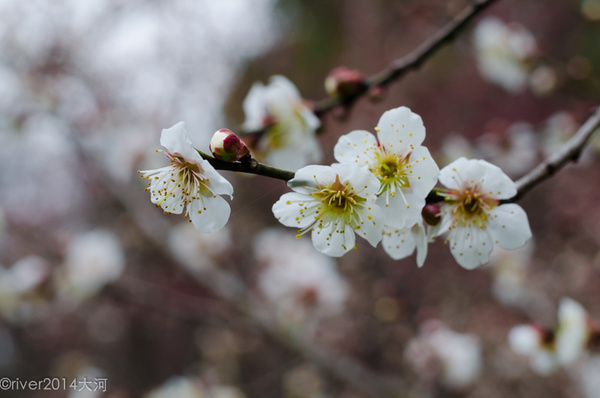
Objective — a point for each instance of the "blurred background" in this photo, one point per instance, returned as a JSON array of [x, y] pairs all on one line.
[[97, 284]]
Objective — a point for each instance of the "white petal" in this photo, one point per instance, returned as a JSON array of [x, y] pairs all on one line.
[[361, 179], [402, 210], [496, 183], [371, 224], [217, 182], [335, 239], [295, 210], [177, 141], [509, 226], [283, 89], [524, 339], [400, 128], [310, 119], [572, 331], [470, 246], [209, 214], [398, 243], [460, 171], [358, 147], [255, 107], [312, 176], [422, 241], [424, 171]]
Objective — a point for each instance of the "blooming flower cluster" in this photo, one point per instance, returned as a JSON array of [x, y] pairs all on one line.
[[549, 349], [289, 126], [379, 183], [504, 53], [378, 191]]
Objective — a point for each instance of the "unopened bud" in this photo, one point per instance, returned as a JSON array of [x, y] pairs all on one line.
[[227, 146], [343, 82], [431, 214], [377, 93]]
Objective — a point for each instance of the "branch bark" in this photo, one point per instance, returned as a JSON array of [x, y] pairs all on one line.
[[412, 60], [570, 152]]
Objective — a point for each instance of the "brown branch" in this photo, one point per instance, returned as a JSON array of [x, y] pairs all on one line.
[[232, 290], [251, 167], [570, 152], [412, 60]]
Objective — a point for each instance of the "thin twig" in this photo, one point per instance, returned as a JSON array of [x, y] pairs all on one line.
[[232, 290], [412, 60], [251, 167], [569, 152]]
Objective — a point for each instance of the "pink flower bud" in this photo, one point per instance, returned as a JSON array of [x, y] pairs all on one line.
[[431, 214], [343, 82], [227, 146]]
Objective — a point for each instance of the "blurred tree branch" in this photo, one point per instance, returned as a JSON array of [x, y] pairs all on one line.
[[570, 152], [232, 289], [412, 60]]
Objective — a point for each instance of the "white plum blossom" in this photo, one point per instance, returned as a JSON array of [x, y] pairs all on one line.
[[303, 287], [473, 216], [93, 259], [289, 139], [405, 169], [504, 53], [440, 353], [189, 181], [550, 349], [535, 342], [401, 243], [333, 202], [572, 333]]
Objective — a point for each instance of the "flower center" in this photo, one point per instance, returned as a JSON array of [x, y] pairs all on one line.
[[471, 207], [339, 198], [391, 169]]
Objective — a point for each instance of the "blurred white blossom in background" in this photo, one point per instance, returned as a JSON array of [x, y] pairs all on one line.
[[504, 53], [439, 353], [93, 259], [110, 74], [302, 284], [289, 139]]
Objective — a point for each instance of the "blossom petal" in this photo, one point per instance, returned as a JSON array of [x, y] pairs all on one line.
[[361, 178], [177, 141], [254, 107], [217, 183], [335, 239], [307, 177], [371, 223], [460, 171], [572, 332], [470, 246], [398, 243], [509, 226], [400, 128], [403, 210], [424, 171], [358, 147], [209, 213], [295, 210]]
